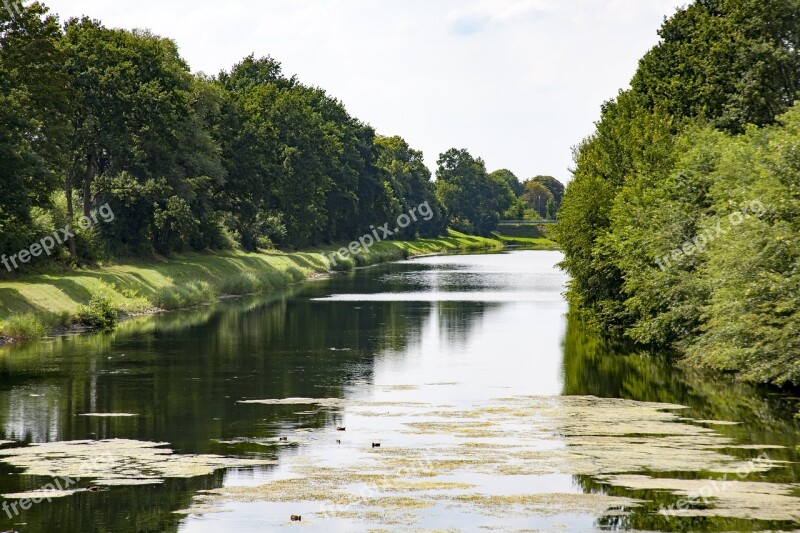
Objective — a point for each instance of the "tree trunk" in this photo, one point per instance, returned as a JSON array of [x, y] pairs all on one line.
[[87, 185], [70, 215]]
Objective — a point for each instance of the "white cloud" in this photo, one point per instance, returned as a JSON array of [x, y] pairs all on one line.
[[496, 13]]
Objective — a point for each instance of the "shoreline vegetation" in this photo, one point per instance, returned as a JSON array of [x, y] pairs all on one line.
[[34, 306], [681, 227]]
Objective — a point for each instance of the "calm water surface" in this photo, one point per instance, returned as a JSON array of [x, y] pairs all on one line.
[[456, 331]]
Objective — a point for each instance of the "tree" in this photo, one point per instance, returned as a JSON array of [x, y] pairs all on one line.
[[555, 187], [733, 62], [630, 140], [551, 209], [753, 313], [511, 179], [640, 221], [405, 169], [33, 127], [536, 197], [474, 200]]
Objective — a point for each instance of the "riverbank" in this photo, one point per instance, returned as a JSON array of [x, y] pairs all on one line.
[[35, 306], [535, 237]]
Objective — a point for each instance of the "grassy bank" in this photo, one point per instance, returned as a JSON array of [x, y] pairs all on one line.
[[33, 306], [536, 237]]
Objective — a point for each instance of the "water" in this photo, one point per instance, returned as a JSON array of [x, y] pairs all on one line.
[[417, 342]]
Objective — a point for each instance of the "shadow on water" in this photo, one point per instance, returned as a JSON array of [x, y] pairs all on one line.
[[600, 368]]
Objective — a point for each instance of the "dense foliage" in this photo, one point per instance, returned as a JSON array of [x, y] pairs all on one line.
[[249, 158], [681, 226], [475, 199]]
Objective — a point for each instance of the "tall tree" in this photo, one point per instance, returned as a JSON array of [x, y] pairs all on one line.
[[555, 187], [510, 178], [411, 182], [474, 200], [733, 62], [536, 197], [33, 126]]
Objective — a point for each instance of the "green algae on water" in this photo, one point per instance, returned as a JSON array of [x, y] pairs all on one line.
[[117, 460], [108, 415], [450, 450], [43, 494]]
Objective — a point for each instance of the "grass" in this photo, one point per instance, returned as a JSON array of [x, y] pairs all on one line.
[[528, 242], [535, 237], [32, 306]]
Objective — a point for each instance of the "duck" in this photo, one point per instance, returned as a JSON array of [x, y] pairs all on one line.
[[340, 428], [376, 444], [297, 518], [283, 439]]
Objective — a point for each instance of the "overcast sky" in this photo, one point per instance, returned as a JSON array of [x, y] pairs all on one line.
[[516, 82]]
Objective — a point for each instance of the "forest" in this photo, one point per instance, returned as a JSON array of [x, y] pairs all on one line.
[[248, 159], [681, 227]]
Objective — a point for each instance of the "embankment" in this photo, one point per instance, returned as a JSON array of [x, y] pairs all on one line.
[[34, 306]]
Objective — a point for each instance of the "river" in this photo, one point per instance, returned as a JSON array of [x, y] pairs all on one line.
[[440, 393]]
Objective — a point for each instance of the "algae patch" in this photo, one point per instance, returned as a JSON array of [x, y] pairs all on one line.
[[548, 504], [39, 495], [126, 482], [463, 461], [746, 500], [108, 415], [118, 460], [330, 402]]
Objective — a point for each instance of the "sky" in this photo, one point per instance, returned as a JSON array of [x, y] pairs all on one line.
[[516, 82]]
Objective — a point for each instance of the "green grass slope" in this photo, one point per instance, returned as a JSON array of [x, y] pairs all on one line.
[[32, 306]]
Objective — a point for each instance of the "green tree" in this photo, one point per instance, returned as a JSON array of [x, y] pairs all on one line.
[[536, 197], [411, 181], [753, 314], [511, 179], [731, 61], [474, 200], [629, 141], [555, 187], [33, 127], [552, 210]]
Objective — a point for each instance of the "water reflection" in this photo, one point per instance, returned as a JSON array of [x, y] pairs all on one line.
[[605, 369], [454, 331]]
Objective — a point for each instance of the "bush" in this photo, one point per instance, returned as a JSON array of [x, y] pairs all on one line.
[[179, 297], [24, 327], [239, 284], [99, 314]]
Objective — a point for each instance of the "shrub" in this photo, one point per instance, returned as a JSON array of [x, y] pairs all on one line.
[[179, 297], [242, 283], [24, 326], [99, 314]]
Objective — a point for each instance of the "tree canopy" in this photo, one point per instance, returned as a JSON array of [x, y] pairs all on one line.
[[680, 227], [249, 158], [474, 199]]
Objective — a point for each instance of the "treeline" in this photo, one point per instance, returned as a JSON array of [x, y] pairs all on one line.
[[249, 158], [681, 227]]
